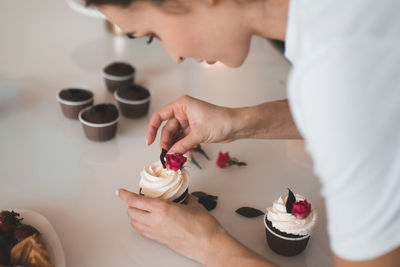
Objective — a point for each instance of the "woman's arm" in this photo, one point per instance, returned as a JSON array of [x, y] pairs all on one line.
[[271, 120], [227, 251], [189, 230], [191, 121]]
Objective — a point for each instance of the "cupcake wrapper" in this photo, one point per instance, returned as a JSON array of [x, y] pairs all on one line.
[[283, 245], [134, 111], [72, 112], [113, 85], [100, 134], [180, 200]]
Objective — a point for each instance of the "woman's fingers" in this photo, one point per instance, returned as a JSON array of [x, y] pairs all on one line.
[[191, 200], [163, 114], [169, 133], [142, 228], [138, 215], [137, 201], [185, 144]]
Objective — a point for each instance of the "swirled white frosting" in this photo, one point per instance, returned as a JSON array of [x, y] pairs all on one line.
[[289, 223], [157, 182]]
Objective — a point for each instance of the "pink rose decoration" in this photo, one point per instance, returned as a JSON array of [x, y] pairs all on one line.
[[175, 161], [223, 159], [301, 209]]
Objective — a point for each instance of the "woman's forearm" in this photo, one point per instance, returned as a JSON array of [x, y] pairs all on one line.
[[271, 120], [227, 251]]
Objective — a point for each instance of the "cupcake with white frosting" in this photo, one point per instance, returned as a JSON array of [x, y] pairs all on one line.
[[168, 183], [289, 224]]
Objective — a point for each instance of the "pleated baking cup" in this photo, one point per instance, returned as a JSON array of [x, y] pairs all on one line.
[[115, 82], [133, 108], [286, 246], [71, 109], [98, 132], [117, 77], [179, 200]]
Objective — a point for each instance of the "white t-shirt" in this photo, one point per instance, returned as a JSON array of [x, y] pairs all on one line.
[[344, 92]]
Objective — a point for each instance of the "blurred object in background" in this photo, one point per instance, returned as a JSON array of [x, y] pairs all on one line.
[[79, 6], [113, 28], [279, 45]]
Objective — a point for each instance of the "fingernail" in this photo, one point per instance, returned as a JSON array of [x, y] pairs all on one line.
[[117, 192], [147, 143]]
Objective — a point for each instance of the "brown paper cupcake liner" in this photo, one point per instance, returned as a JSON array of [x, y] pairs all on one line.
[[71, 109], [133, 108], [286, 246], [179, 200], [113, 85], [98, 132], [72, 112]]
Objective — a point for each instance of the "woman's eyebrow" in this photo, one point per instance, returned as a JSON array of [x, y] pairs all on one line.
[[130, 35]]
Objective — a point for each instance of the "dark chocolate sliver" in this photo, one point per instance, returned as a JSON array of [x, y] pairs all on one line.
[[208, 203], [162, 157], [249, 212], [290, 201], [200, 194]]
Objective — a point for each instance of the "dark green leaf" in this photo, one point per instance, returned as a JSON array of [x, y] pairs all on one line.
[[162, 157], [237, 163], [199, 194], [207, 202], [201, 151], [291, 199], [196, 163], [249, 212]]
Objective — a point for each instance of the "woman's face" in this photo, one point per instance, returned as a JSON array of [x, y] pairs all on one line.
[[205, 31]]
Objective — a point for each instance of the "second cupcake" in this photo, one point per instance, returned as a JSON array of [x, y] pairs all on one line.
[[118, 75], [99, 122], [169, 182], [133, 101], [289, 224]]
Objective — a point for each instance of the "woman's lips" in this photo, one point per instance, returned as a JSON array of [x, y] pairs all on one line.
[[209, 62]]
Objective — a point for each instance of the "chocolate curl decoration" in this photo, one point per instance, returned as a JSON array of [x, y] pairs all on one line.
[[162, 157], [290, 201]]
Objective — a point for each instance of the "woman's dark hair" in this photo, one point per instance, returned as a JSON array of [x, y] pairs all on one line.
[[171, 6], [123, 3]]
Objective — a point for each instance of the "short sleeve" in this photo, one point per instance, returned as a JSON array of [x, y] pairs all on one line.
[[345, 99]]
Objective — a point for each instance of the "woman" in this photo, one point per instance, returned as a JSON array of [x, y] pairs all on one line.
[[344, 93]]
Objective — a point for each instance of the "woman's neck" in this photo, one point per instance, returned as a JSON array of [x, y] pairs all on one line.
[[268, 18]]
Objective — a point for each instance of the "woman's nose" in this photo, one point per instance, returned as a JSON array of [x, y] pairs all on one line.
[[178, 59]]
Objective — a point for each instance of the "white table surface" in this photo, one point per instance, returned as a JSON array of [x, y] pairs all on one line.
[[47, 165]]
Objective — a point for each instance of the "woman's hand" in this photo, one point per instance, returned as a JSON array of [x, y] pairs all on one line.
[[190, 122], [188, 229]]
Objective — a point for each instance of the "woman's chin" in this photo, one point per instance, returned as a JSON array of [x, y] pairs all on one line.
[[233, 64]]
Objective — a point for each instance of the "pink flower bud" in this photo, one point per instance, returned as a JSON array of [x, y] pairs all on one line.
[[223, 159], [175, 162], [301, 209]]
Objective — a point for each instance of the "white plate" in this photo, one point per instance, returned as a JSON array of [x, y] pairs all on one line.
[[47, 232], [79, 6]]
